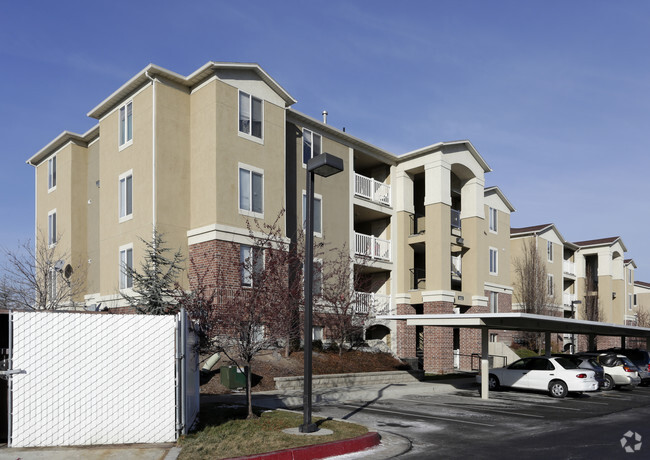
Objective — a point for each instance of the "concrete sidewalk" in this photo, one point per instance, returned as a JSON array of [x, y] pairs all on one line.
[[290, 399]]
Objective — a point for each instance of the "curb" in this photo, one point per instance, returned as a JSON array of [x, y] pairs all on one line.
[[328, 449]]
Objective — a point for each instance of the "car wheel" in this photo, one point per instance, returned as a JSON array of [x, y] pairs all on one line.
[[493, 382], [558, 389], [609, 383]]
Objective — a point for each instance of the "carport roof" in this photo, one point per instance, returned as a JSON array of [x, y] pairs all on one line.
[[522, 322]]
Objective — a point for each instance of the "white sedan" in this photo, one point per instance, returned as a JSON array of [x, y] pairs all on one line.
[[558, 376]]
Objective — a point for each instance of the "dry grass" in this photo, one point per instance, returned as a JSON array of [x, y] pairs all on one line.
[[225, 433]]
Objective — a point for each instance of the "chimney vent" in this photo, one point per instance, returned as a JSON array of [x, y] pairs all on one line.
[[325, 116]]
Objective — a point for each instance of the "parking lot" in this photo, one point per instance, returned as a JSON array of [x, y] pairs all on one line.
[[511, 424]]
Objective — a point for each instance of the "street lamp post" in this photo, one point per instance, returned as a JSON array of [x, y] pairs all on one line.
[[324, 165]]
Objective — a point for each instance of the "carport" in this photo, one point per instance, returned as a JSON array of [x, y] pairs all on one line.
[[521, 322]]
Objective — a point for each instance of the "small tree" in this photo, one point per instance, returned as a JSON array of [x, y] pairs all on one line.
[[643, 316], [40, 277], [532, 287], [337, 302], [155, 285]]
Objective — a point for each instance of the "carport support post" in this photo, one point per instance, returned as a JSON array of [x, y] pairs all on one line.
[[484, 363], [622, 342], [547, 343]]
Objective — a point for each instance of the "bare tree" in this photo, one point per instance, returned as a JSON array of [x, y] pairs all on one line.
[[643, 316], [41, 277], [337, 301], [532, 286], [154, 285]]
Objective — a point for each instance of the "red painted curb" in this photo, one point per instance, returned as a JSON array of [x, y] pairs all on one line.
[[328, 449]]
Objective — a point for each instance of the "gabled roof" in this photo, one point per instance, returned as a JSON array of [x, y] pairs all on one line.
[[61, 140], [496, 190], [601, 242], [630, 262], [195, 78], [642, 284], [521, 231], [433, 147]]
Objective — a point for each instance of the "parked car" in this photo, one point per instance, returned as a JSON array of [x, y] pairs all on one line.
[[558, 376], [619, 370], [585, 362], [640, 358]]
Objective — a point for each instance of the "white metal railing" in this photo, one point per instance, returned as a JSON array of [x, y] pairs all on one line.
[[369, 302], [569, 267], [568, 298], [455, 218], [372, 189], [371, 246]]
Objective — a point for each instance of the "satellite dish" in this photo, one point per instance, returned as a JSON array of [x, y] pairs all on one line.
[[58, 266], [67, 273]]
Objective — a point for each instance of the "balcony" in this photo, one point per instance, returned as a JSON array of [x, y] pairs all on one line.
[[568, 298], [371, 189], [371, 247], [417, 224], [369, 302], [418, 278], [569, 268]]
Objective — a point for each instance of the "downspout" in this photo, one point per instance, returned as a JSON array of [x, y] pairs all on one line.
[[153, 158]]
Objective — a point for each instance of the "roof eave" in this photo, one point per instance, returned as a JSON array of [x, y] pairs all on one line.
[[60, 141]]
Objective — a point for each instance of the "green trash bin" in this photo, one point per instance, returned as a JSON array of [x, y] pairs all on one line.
[[232, 377]]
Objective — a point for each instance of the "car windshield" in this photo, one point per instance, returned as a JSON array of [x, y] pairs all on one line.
[[565, 363]]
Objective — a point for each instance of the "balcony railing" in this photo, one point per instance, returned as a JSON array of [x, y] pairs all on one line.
[[371, 246], [568, 298], [369, 302], [455, 218], [371, 189], [569, 267], [418, 278]]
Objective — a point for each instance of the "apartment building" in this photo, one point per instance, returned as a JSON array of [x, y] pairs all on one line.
[[198, 156]]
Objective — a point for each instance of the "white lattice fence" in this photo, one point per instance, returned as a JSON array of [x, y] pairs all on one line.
[[93, 379]]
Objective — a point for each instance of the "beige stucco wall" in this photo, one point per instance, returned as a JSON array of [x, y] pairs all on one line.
[[93, 264]]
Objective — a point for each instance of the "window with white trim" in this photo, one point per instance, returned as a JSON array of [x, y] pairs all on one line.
[[51, 174], [126, 196], [318, 213], [317, 333], [494, 302], [126, 124], [317, 280], [630, 300], [635, 300], [51, 228], [493, 216], [250, 115], [494, 261], [51, 286], [251, 191], [126, 266], [251, 260], [549, 251], [629, 276], [312, 145], [550, 285]]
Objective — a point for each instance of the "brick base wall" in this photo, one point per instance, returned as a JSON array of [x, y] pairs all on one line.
[[438, 341], [405, 335]]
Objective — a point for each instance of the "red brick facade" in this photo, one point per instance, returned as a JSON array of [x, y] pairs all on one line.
[[438, 341], [406, 338]]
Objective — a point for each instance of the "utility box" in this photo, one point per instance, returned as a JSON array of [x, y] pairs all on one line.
[[232, 377]]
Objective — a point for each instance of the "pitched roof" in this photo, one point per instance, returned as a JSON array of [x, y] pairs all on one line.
[[642, 283], [496, 190], [599, 242], [532, 229]]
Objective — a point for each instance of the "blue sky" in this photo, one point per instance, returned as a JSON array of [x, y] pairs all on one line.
[[555, 95]]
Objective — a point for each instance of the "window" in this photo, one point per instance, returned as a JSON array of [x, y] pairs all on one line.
[[635, 299], [126, 124], [493, 219], [252, 264], [630, 301], [318, 213], [126, 267], [493, 338], [494, 302], [629, 276], [317, 281], [251, 191], [494, 261], [126, 196], [550, 285], [51, 228], [311, 145], [51, 288], [549, 251], [51, 173], [250, 115], [317, 333]]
